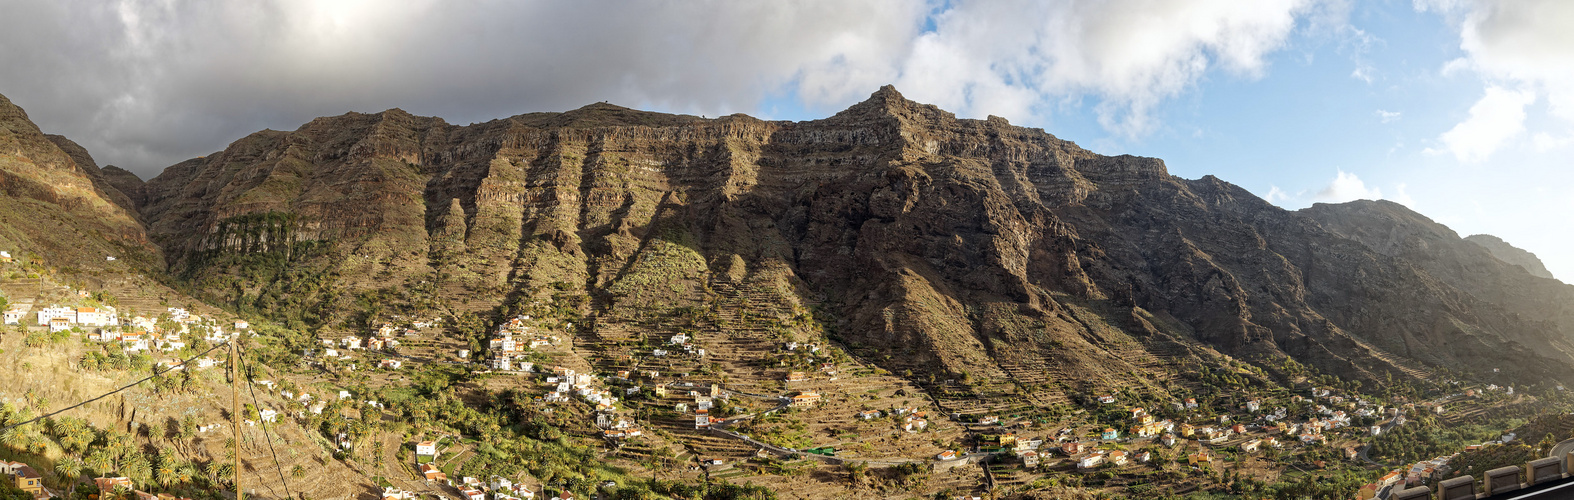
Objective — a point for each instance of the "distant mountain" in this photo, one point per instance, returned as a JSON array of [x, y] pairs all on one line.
[[56, 205], [940, 247], [1511, 254], [127, 183]]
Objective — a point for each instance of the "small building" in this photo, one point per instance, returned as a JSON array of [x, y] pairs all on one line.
[[426, 449], [806, 399], [49, 313], [1029, 459], [1251, 446], [59, 325], [1110, 433], [24, 477], [110, 483], [1390, 479], [1199, 459], [15, 314], [432, 473], [1090, 461], [1117, 457], [89, 316]]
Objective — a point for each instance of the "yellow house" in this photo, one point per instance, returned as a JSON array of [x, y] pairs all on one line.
[[1199, 459]]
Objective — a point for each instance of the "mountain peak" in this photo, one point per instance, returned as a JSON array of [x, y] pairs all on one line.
[[888, 102], [1511, 254]]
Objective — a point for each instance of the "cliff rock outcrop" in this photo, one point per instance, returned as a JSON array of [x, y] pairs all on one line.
[[961, 249]]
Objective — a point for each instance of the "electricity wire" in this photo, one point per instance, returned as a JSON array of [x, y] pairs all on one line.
[[253, 389], [156, 373]]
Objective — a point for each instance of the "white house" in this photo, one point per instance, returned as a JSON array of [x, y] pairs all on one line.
[[1090, 461], [49, 313], [499, 483], [14, 315], [426, 448], [89, 316]]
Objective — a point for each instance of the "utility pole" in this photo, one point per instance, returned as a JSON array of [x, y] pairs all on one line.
[[235, 410]]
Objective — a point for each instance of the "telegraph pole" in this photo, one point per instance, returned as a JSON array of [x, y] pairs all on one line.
[[235, 410]]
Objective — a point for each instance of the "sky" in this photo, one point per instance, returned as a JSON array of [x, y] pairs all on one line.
[[1462, 110]]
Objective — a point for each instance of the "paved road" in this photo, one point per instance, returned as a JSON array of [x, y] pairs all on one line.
[[1562, 449]]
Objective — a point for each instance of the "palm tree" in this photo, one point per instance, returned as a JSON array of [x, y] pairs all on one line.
[[15, 438], [100, 462], [155, 431], [70, 468], [185, 474], [297, 471]]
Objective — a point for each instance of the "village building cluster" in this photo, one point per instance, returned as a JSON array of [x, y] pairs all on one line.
[[511, 344], [1249, 426]]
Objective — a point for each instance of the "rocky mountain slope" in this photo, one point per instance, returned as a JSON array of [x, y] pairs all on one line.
[[58, 208], [965, 249], [1496, 288], [1511, 254]]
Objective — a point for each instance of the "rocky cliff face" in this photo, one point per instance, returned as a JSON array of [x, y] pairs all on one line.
[[961, 249], [1495, 290], [56, 204], [127, 184], [1511, 254]]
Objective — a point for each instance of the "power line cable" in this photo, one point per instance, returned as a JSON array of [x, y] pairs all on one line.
[[250, 387], [156, 373]]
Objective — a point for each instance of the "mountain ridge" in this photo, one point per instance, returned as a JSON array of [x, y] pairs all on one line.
[[953, 249], [58, 206], [967, 241]]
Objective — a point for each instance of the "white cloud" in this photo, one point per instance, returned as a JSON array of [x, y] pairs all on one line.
[[1348, 187], [1546, 142], [1522, 44], [1003, 57], [1403, 198], [1276, 195], [1387, 116], [1362, 73], [1496, 118], [146, 83], [1357, 43]]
